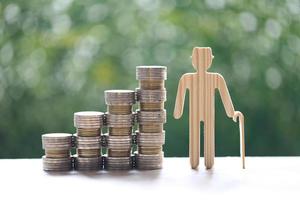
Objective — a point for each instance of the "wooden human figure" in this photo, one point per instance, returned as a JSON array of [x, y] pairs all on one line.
[[201, 86]]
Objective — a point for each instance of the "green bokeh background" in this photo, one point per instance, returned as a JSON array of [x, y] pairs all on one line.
[[58, 57]]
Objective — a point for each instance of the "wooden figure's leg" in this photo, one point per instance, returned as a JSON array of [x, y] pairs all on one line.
[[194, 142], [209, 143]]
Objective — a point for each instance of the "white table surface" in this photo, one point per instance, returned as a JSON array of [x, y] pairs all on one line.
[[264, 177]]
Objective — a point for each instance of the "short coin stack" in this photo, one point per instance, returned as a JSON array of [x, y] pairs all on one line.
[[88, 135], [57, 148], [151, 95], [120, 121]]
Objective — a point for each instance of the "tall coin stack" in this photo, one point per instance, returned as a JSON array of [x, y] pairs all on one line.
[[120, 121], [151, 95], [88, 135], [57, 148]]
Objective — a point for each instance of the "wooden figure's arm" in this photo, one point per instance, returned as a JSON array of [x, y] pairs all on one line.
[[225, 96], [179, 104]]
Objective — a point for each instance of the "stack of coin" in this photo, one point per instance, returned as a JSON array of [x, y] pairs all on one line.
[[151, 95], [120, 121], [88, 125], [88, 163], [151, 77], [57, 148]]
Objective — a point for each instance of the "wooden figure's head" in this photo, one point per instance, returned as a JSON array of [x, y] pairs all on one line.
[[202, 58]]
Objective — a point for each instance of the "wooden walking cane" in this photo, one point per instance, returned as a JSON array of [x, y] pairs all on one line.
[[242, 136]]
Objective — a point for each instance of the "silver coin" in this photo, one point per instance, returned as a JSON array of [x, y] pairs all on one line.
[[146, 117], [88, 119], [57, 141], [149, 162], [120, 120], [119, 97], [151, 73], [88, 124], [150, 166], [87, 114], [151, 96], [118, 163], [88, 142], [119, 142], [88, 132], [87, 164], [150, 139], [57, 164]]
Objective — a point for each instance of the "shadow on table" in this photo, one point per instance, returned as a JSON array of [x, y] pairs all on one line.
[[114, 174]]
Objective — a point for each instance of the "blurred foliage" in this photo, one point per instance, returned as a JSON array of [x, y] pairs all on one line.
[[58, 57]]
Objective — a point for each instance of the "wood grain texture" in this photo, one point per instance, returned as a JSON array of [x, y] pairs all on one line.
[[202, 86]]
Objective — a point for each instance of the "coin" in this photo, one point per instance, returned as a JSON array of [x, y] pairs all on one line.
[[88, 153], [88, 132], [151, 128], [151, 106], [151, 96], [88, 164], [60, 153], [151, 73], [119, 109], [57, 141], [121, 152], [149, 162], [119, 131], [152, 84], [149, 150], [150, 117], [150, 139], [88, 146], [119, 97], [120, 120], [57, 164], [119, 142], [88, 120], [151, 100], [88, 142], [118, 163]]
